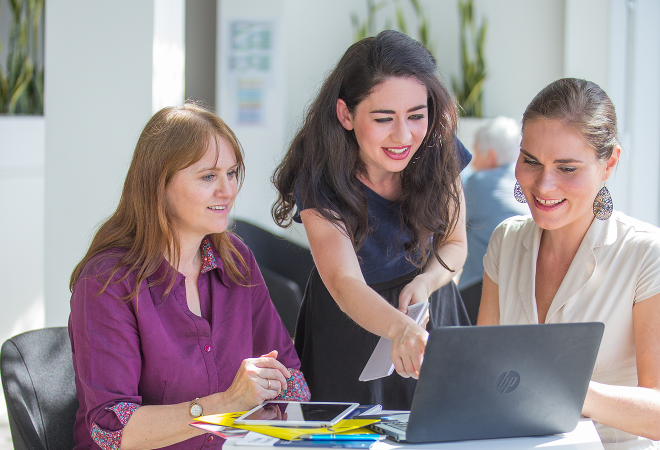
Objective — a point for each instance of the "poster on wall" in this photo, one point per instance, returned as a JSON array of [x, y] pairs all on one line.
[[250, 67]]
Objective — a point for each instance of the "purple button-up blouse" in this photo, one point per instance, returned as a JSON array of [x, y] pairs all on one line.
[[155, 351]]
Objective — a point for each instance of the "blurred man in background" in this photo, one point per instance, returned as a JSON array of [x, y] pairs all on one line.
[[489, 200]]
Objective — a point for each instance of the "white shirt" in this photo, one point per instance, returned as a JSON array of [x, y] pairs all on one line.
[[616, 266]]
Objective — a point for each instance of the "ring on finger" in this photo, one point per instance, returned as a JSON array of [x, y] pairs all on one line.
[[268, 383]]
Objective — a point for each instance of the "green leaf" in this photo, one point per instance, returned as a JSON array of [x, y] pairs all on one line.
[[21, 85], [416, 7], [473, 65], [4, 91]]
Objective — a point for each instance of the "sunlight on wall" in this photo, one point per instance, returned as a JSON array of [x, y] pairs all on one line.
[[32, 318], [168, 53]]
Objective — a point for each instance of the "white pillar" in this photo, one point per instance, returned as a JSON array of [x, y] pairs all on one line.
[[644, 112], [617, 45], [99, 81], [169, 54]]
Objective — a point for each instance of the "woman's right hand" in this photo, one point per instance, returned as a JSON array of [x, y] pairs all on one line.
[[408, 346], [257, 380]]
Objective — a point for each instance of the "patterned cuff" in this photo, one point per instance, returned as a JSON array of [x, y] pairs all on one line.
[[110, 440], [296, 388]]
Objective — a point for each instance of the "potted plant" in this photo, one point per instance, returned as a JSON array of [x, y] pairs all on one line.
[[22, 78], [22, 87], [469, 87]]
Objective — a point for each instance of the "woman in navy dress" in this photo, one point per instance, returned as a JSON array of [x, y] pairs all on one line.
[[373, 175]]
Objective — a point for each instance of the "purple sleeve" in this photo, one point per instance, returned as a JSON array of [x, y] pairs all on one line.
[[106, 357], [296, 388]]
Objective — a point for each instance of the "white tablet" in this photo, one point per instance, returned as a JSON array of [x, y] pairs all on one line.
[[297, 414], [380, 363]]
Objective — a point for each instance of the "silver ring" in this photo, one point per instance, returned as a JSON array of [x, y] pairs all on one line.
[[268, 383]]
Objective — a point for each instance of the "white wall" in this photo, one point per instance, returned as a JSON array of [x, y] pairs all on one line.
[[98, 97], [641, 194], [524, 51], [21, 227]]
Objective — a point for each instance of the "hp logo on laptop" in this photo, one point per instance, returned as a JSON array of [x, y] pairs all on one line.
[[507, 381]]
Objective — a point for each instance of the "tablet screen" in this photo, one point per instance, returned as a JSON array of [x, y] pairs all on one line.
[[288, 412]]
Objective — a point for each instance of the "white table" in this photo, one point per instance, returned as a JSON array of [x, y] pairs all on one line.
[[584, 437]]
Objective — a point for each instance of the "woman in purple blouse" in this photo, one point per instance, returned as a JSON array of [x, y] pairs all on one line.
[[170, 316]]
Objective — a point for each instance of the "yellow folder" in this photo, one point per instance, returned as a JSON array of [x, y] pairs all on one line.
[[347, 426]]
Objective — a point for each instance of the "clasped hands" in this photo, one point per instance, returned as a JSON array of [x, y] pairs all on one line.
[[257, 380]]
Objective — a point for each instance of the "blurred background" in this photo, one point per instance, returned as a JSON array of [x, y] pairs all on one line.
[[98, 70]]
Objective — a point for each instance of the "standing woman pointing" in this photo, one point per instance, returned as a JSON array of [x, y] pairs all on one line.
[[373, 175]]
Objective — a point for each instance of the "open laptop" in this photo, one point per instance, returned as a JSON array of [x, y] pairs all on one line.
[[499, 381]]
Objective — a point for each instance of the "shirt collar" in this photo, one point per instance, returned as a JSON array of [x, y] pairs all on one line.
[[600, 233], [532, 235], [210, 258]]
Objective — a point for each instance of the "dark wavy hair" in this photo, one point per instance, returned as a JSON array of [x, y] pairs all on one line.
[[323, 161], [582, 105]]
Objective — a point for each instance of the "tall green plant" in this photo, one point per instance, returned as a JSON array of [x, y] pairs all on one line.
[[367, 27], [469, 88], [21, 78]]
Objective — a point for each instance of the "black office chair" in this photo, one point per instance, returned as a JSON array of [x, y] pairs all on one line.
[[40, 391], [285, 266]]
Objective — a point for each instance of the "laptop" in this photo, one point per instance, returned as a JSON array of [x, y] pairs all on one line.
[[499, 382]]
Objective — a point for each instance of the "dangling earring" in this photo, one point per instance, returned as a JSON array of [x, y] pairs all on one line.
[[518, 194], [603, 204]]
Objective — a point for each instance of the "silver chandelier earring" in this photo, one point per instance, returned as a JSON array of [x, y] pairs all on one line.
[[603, 204], [518, 194]]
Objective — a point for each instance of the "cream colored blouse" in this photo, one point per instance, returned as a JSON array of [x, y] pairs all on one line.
[[616, 266]]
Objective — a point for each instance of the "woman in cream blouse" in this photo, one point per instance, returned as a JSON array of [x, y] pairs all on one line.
[[576, 260]]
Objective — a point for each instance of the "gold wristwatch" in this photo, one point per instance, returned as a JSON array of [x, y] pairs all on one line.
[[196, 409]]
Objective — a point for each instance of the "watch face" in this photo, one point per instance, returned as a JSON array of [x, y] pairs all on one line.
[[195, 410]]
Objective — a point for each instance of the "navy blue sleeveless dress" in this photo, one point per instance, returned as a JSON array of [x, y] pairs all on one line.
[[333, 349]]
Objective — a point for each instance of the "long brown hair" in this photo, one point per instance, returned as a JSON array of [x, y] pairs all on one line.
[[323, 163], [141, 229]]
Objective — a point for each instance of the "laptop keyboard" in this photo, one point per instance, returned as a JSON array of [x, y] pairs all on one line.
[[398, 425]]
